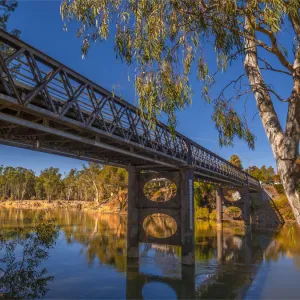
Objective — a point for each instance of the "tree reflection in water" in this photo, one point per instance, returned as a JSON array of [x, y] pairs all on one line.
[[226, 260], [160, 225], [286, 241], [22, 252]]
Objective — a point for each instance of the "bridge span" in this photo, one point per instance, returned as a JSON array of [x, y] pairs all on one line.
[[46, 106]]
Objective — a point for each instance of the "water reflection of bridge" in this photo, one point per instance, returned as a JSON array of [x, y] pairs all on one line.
[[229, 275], [226, 260]]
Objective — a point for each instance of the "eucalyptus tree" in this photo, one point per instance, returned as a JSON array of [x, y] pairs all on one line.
[[235, 160], [7, 7], [115, 182], [91, 177], [163, 39], [50, 180], [70, 183], [264, 174], [16, 183]]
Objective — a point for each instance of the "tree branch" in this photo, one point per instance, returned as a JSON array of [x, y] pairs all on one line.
[[269, 67], [274, 49]]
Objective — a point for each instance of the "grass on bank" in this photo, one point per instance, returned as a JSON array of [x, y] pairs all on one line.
[[284, 208]]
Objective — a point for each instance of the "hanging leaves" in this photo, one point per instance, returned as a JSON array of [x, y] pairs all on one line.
[[164, 38]]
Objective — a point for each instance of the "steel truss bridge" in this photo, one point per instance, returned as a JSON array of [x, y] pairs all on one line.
[[48, 107]]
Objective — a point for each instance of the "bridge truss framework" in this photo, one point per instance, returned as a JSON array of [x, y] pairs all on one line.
[[46, 106]]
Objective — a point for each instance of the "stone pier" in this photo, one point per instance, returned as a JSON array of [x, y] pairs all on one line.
[[219, 211], [180, 208], [246, 212]]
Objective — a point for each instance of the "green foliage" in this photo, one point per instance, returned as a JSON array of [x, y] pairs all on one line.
[[282, 204], [51, 182], [287, 240], [204, 194], [93, 182], [213, 215], [202, 213], [230, 124], [6, 8], [279, 188], [236, 161], [16, 183], [263, 174], [163, 40]]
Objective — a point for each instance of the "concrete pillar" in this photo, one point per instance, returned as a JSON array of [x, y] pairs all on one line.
[[219, 196], [248, 247], [220, 245], [133, 213], [187, 217], [134, 280], [246, 196], [187, 283]]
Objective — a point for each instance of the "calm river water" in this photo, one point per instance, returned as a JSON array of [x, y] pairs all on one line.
[[88, 260]]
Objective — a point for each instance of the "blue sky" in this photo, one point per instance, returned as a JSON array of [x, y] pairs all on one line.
[[42, 27]]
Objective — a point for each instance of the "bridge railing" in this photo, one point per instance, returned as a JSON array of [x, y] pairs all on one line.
[[27, 73]]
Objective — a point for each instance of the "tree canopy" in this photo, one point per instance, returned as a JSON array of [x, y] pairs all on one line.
[[93, 182], [165, 40], [263, 174], [235, 160]]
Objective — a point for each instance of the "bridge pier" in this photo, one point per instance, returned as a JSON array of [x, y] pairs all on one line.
[[133, 213], [180, 208], [220, 245], [187, 217], [219, 198], [246, 196]]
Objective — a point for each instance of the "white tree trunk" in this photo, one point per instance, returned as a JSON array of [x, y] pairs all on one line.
[[285, 145]]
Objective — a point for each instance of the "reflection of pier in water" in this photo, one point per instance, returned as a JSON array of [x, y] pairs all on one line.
[[226, 260], [227, 275]]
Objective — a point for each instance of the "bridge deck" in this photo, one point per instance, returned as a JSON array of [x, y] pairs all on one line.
[[46, 106]]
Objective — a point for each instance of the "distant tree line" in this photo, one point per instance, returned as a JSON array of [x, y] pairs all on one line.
[[98, 183], [264, 174], [93, 183]]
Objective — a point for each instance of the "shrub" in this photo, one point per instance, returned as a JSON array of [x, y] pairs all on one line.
[[213, 215], [282, 204], [202, 213], [279, 188]]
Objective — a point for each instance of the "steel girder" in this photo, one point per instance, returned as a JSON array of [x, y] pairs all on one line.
[[35, 86]]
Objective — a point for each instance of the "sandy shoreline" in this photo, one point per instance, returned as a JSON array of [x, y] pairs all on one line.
[[108, 207]]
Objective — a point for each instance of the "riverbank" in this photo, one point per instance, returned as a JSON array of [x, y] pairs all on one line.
[[111, 206]]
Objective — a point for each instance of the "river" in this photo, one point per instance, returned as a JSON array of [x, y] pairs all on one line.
[[88, 260]]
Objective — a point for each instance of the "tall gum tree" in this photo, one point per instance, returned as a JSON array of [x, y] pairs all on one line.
[[162, 39]]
